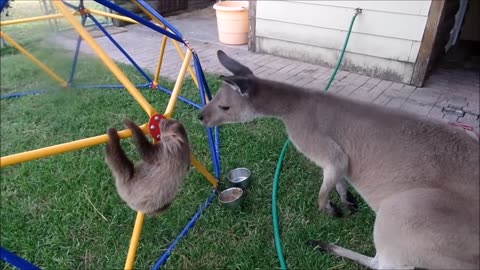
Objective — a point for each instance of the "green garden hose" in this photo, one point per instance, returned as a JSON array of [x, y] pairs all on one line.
[[357, 11], [276, 228]]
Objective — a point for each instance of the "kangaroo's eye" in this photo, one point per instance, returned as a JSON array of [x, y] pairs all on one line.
[[224, 108]]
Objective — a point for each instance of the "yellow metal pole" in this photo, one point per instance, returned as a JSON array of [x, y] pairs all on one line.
[[105, 59], [33, 59], [182, 56], [175, 43], [192, 73], [110, 15], [132, 249], [160, 60], [31, 19], [203, 171], [163, 44], [178, 85], [63, 148]]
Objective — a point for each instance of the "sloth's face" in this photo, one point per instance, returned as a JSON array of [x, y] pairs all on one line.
[[172, 129]]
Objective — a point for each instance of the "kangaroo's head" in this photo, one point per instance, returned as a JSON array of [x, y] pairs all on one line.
[[232, 103]]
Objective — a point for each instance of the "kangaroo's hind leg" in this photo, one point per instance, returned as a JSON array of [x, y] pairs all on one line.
[[338, 251], [116, 158], [369, 262], [427, 228], [144, 147]]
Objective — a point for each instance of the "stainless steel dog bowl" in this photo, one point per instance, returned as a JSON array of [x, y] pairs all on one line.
[[240, 177], [232, 197]]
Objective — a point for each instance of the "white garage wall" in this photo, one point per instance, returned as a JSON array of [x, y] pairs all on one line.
[[384, 42]]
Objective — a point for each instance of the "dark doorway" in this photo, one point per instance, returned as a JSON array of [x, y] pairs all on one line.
[[462, 51], [168, 7], [451, 39]]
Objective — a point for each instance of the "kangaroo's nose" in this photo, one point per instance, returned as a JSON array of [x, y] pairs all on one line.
[[200, 117]]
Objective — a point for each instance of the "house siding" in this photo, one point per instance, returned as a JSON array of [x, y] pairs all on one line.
[[384, 43]]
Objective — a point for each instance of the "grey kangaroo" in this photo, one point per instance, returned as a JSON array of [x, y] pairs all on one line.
[[421, 178], [151, 185]]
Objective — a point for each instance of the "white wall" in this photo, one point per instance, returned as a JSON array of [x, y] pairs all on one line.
[[385, 39]]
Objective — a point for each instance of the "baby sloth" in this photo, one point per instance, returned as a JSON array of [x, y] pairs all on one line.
[[150, 186]]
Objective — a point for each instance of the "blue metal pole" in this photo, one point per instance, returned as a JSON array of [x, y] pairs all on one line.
[[75, 56], [21, 94], [187, 101], [204, 85], [201, 75], [216, 132], [139, 19], [69, 5], [99, 25], [108, 86], [3, 4], [184, 232], [104, 86], [211, 141], [16, 260], [159, 17]]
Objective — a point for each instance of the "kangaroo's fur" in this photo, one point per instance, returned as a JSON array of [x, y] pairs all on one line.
[[420, 177], [151, 185]]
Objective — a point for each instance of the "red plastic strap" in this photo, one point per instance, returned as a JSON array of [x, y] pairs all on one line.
[[464, 126], [154, 126]]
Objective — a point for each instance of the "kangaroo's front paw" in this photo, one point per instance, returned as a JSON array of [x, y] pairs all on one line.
[[332, 210]]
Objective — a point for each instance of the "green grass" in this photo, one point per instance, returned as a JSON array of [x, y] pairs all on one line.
[[51, 207], [34, 32]]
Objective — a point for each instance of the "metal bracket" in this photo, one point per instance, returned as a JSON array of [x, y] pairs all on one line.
[[154, 126]]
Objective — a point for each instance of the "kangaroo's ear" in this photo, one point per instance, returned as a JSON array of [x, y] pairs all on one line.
[[232, 65], [240, 84]]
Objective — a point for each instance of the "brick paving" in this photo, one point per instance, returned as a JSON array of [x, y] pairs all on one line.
[[448, 95]]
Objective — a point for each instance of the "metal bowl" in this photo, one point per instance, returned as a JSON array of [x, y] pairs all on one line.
[[232, 197], [240, 177]]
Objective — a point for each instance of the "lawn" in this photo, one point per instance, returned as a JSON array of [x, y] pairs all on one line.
[[33, 31], [62, 212]]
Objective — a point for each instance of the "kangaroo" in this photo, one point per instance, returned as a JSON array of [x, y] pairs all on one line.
[[151, 185], [420, 177]]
